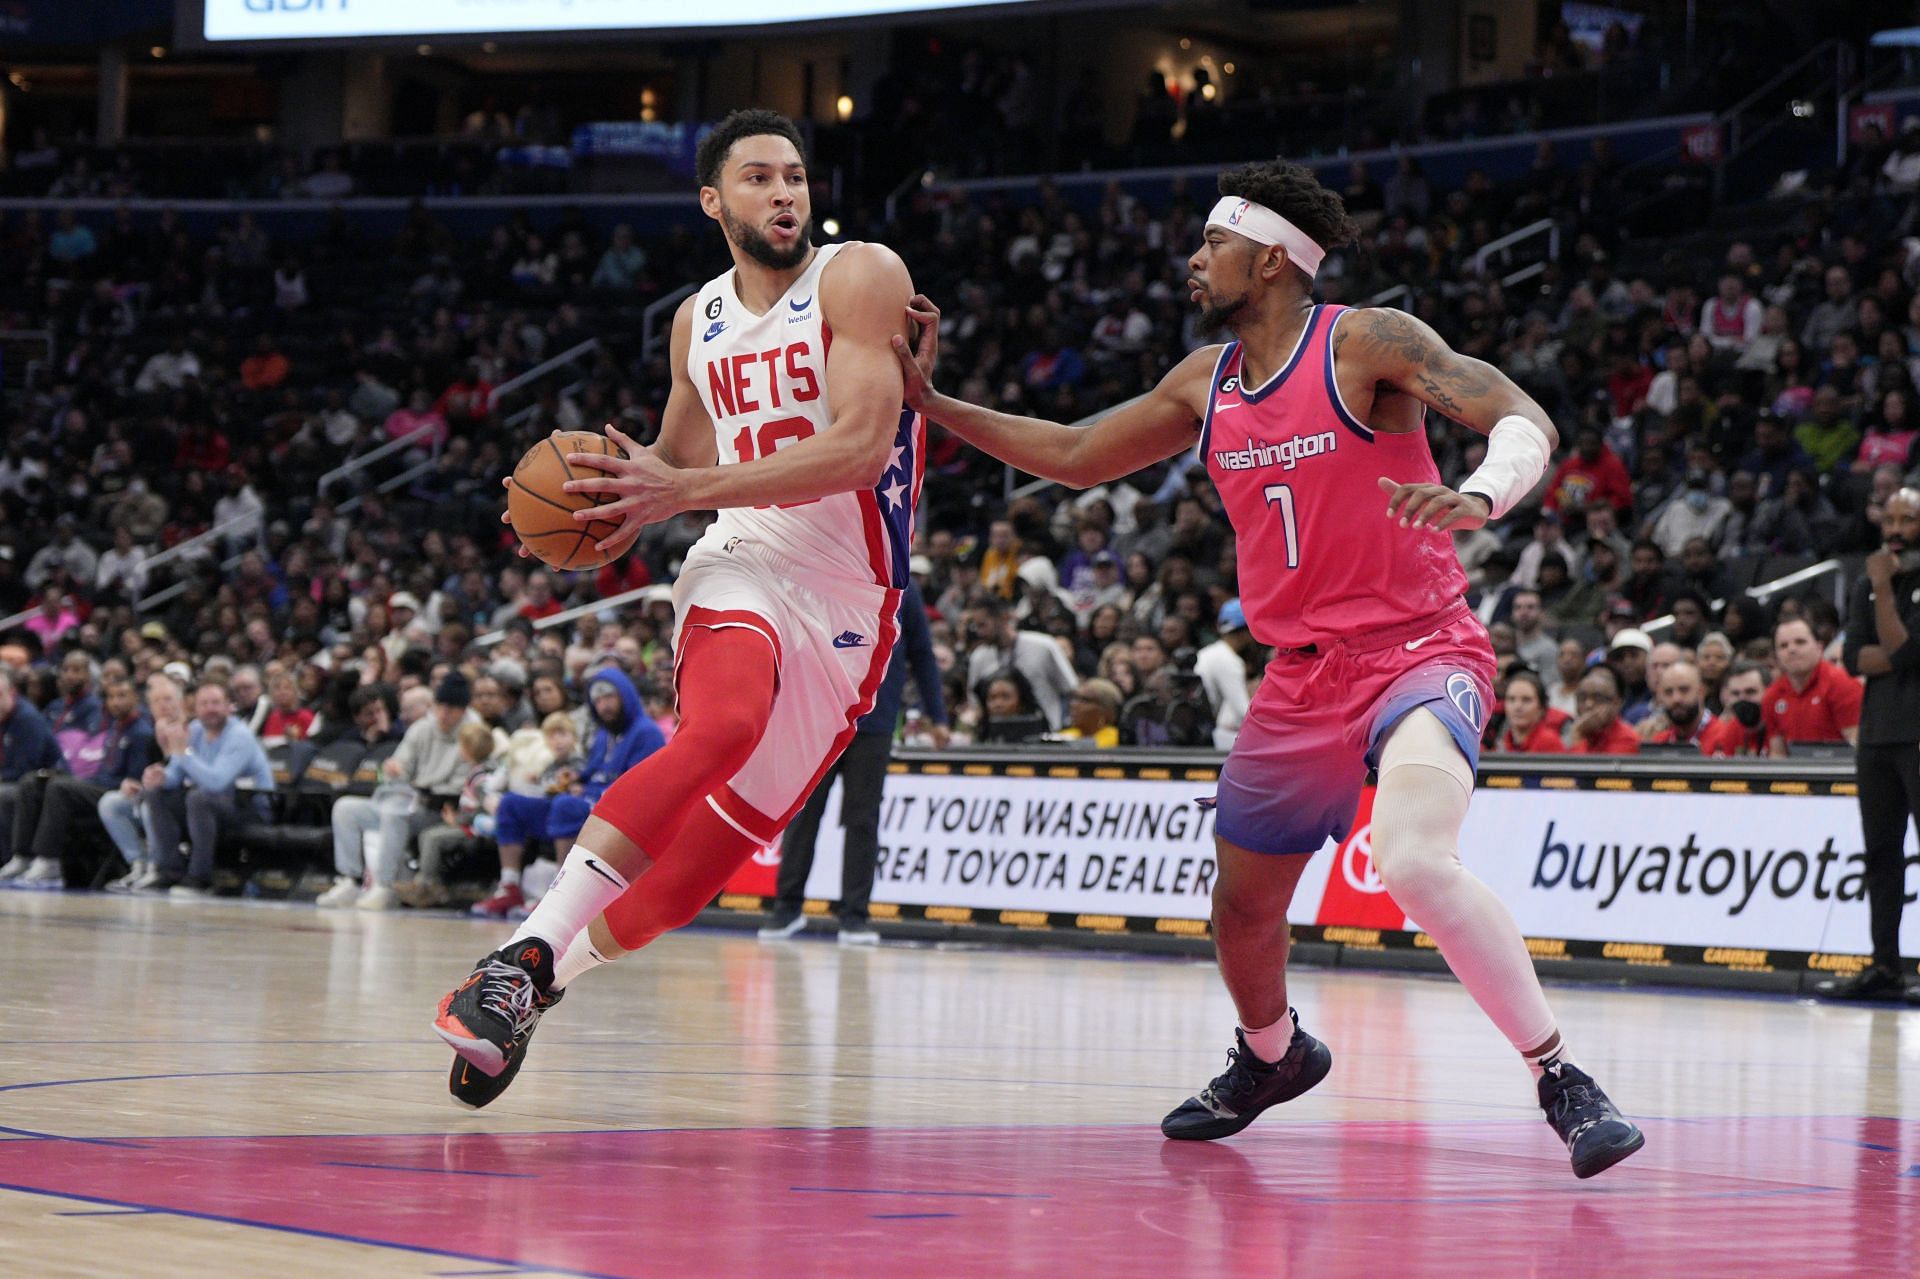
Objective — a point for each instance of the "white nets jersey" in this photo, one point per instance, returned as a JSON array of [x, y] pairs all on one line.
[[763, 379]]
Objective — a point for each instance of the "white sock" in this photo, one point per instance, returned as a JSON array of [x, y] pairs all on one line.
[[508, 878], [580, 957], [1558, 1055], [585, 886], [1269, 1043]]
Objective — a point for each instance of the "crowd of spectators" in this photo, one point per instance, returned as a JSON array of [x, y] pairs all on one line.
[[1727, 413]]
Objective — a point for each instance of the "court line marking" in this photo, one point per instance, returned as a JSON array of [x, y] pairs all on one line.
[[311, 1233], [912, 1194], [448, 1172], [908, 1216], [54, 1136], [109, 1212]]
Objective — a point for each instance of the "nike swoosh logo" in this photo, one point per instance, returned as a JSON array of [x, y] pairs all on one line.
[[803, 303], [600, 870], [1413, 645]]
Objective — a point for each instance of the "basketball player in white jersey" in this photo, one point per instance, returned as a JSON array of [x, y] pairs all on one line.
[[786, 416]]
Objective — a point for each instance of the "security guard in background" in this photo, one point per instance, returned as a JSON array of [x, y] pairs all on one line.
[[1883, 644]]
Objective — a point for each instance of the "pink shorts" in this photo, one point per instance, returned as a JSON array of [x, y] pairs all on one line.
[[1293, 778]]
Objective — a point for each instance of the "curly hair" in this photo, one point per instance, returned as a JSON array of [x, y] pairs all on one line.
[[1292, 191], [711, 155]]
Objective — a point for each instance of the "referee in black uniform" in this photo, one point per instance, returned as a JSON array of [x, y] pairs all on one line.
[[1883, 644]]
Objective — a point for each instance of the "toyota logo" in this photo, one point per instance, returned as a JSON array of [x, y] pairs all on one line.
[[1356, 862]]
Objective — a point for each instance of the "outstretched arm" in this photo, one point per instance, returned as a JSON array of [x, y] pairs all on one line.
[[1161, 423], [1393, 347]]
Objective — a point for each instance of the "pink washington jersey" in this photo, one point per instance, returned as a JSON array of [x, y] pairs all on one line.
[[1299, 476], [763, 380]]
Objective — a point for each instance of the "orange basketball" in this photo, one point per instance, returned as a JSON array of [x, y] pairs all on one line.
[[542, 511]]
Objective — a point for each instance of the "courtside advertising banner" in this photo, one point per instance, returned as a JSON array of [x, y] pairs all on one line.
[[364, 19], [1761, 872]]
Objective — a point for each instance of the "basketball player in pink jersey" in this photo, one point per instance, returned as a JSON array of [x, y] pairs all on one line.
[[786, 417], [1311, 424]]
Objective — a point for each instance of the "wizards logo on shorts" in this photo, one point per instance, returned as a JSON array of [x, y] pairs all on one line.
[[1465, 696]]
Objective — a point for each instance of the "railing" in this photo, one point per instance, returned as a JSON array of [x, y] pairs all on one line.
[[543, 368], [921, 177], [1743, 135], [17, 342], [1398, 293], [1764, 591], [355, 465], [1545, 226], [656, 591], [650, 318]]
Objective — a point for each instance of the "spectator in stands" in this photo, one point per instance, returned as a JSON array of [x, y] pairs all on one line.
[[1648, 588], [1714, 655], [1882, 618], [1740, 729], [1799, 521], [623, 736], [1569, 666], [1591, 470], [1683, 716], [286, 719], [1222, 668], [1093, 714], [246, 688], [67, 838], [1731, 318], [414, 779], [1828, 436], [1834, 314], [1689, 618], [122, 811], [217, 753], [27, 746], [1598, 728], [1775, 455], [1001, 561], [999, 642], [1696, 512], [168, 370], [1531, 641], [1628, 653], [495, 708], [1527, 729], [620, 267], [1547, 541], [1007, 711], [1812, 700], [65, 551], [267, 368], [467, 818]]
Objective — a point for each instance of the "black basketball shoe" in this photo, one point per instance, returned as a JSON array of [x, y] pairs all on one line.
[[473, 1087], [1248, 1086], [1598, 1136], [489, 1017]]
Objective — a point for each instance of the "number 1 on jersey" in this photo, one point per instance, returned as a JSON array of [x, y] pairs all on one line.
[[1282, 495]]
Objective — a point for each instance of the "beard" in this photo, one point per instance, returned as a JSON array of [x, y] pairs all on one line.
[[756, 246], [1218, 314]]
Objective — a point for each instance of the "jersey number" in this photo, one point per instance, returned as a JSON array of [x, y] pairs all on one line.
[[1282, 496], [772, 437]]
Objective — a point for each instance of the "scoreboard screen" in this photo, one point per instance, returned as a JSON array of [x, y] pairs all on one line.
[[287, 21]]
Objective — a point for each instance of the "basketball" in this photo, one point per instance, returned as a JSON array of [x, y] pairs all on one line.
[[542, 510]]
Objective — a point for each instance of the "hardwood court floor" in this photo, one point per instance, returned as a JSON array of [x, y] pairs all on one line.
[[249, 1089]]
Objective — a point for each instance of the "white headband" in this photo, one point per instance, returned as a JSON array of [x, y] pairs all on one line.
[[1263, 226]]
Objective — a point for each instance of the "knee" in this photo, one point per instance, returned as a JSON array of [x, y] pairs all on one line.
[[201, 801], [730, 730], [1414, 864]]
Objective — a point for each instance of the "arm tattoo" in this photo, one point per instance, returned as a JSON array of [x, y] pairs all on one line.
[[1443, 377]]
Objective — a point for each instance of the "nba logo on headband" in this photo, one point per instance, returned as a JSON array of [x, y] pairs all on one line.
[[1233, 219]]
